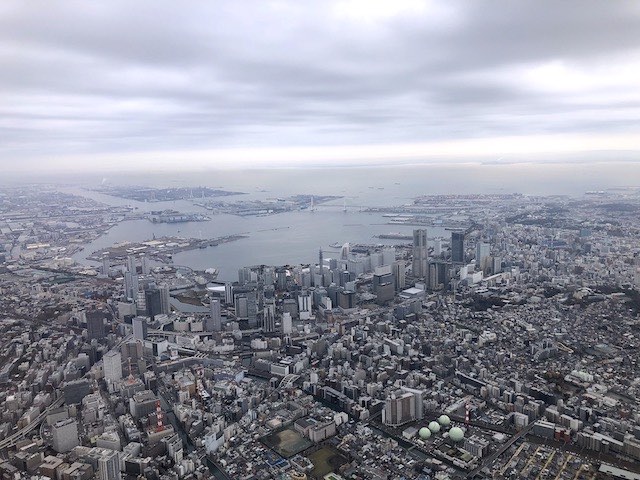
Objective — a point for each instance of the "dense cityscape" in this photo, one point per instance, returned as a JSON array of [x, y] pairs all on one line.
[[320, 240], [505, 345]]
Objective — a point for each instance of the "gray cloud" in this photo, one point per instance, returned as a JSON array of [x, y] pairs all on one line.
[[116, 77]]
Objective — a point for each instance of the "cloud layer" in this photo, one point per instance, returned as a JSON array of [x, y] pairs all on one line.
[[120, 79]]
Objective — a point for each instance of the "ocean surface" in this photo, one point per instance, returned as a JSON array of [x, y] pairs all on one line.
[[295, 237]]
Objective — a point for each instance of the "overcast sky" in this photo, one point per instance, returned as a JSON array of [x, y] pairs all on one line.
[[124, 83]]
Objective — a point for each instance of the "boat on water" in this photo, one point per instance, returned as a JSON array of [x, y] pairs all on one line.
[[395, 236]]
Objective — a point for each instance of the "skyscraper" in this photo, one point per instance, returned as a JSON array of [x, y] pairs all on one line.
[[419, 253], [240, 303], [400, 408], [457, 247], [399, 275], [252, 309], [269, 318], [287, 325], [144, 263], [153, 300], [131, 285], [437, 247], [321, 266], [388, 256], [105, 264], [139, 328], [131, 264], [95, 324], [65, 435], [214, 322], [483, 251], [165, 303], [344, 252], [228, 293], [304, 305]]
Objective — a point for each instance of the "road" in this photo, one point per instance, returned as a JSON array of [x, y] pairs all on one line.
[[11, 440]]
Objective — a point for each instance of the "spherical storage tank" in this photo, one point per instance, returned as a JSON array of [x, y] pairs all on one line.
[[456, 434], [424, 433], [444, 420], [434, 427]]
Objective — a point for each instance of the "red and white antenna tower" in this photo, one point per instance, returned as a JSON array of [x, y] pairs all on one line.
[[159, 417]]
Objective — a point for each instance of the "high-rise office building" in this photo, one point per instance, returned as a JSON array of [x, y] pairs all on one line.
[[497, 265], [228, 293], [139, 328], [383, 284], [437, 247], [141, 303], [65, 435], [269, 318], [95, 324], [437, 278], [153, 301], [420, 253], [165, 299], [281, 279], [144, 264], [457, 247], [241, 306], [483, 250], [214, 322], [385, 291], [131, 264], [109, 465], [419, 396], [345, 251], [131, 285], [105, 264], [252, 309], [112, 364], [304, 305], [399, 275], [399, 408], [75, 391], [347, 299], [287, 323], [388, 256]]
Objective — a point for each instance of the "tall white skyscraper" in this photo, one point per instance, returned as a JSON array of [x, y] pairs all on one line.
[[345, 251], [140, 328], [287, 324], [437, 247], [483, 250], [131, 264], [144, 262], [131, 285], [304, 305]]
